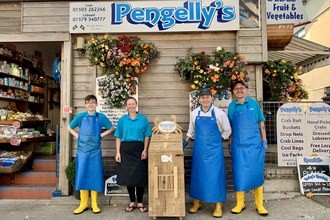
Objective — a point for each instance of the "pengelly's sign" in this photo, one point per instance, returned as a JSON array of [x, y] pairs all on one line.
[[300, 134], [157, 16]]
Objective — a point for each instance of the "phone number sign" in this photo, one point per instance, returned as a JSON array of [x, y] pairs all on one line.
[[91, 17]]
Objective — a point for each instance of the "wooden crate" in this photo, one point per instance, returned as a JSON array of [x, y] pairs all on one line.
[[166, 176]]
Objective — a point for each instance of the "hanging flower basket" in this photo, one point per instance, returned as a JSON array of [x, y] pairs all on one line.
[[284, 83], [216, 73], [121, 59]]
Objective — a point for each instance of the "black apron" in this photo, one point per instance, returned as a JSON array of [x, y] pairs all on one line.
[[132, 171]]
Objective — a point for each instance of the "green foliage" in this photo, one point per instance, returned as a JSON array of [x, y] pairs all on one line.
[[42, 129], [70, 172], [282, 78]]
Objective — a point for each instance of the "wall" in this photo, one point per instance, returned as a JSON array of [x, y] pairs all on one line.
[[317, 79], [10, 18]]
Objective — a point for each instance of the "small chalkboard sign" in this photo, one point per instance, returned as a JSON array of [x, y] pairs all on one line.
[[314, 175], [112, 188]]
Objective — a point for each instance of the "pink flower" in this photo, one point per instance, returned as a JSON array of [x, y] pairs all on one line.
[[229, 88]]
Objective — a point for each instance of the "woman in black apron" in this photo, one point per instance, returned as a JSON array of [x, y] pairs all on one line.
[[132, 139]]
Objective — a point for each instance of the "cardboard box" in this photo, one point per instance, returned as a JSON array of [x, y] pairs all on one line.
[[44, 147]]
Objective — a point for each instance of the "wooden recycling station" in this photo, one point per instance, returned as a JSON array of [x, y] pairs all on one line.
[[166, 170]]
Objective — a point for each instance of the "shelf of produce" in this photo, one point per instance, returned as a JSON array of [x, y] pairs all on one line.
[[11, 100], [36, 84], [12, 76], [10, 59], [12, 87], [20, 167], [35, 139], [23, 122]]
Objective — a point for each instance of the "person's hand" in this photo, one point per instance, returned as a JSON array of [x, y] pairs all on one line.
[[118, 158], [229, 148], [265, 144], [185, 143], [144, 155]]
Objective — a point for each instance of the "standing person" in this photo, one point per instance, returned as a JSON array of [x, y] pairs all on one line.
[[208, 125], [247, 145], [89, 169], [132, 139]]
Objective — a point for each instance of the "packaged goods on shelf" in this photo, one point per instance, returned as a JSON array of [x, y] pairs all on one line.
[[44, 148]]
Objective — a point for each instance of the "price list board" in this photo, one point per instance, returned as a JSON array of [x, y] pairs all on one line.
[[314, 175], [290, 134], [318, 129]]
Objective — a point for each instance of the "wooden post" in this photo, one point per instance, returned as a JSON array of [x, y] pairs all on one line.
[[259, 88], [175, 170], [156, 182], [263, 24], [66, 100]]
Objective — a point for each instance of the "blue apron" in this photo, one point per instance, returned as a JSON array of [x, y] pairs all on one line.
[[89, 169], [208, 174], [248, 155]]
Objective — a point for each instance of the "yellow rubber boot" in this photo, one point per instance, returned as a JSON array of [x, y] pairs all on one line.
[[258, 196], [197, 205], [240, 206], [218, 210], [84, 194], [95, 208]]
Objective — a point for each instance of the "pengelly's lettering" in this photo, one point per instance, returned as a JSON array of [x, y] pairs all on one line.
[[167, 17], [294, 109]]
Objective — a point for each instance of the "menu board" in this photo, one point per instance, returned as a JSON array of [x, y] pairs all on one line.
[[318, 129], [314, 175], [112, 188], [290, 134]]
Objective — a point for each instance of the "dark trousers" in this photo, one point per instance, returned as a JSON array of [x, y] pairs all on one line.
[[139, 193]]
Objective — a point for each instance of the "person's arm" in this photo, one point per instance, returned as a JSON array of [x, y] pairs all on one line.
[[118, 156], [262, 131], [107, 132], [73, 132], [145, 150]]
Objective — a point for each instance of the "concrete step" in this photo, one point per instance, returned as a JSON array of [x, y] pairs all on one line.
[[27, 191], [39, 176]]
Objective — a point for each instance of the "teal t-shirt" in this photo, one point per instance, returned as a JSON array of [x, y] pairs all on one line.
[[103, 119], [133, 129], [254, 107]]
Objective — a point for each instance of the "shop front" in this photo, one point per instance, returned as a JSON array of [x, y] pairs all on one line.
[[204, 26]]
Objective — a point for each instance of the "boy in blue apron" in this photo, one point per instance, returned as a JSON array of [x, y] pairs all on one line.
[[247, 145], [89, 169], [208, 125]]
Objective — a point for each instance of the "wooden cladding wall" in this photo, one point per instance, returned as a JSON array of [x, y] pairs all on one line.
[[10, 18], [160, 91], [45, 17]]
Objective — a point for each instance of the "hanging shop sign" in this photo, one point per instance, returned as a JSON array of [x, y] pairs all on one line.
[[160, 16], [314, 175], [113, 114], [318, 129], [290, 134], [286, 12]]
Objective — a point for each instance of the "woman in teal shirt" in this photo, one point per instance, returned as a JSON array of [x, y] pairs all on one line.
[[132, 139]]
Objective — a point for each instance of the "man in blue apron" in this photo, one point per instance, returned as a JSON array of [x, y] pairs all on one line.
[[208, 125], [89, 169], [247, 145]]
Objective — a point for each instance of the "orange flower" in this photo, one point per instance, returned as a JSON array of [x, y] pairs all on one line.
[[274, 74], [233, 77], [228, 62], [197, 68], [116, 73], [137, 70], [141, 45], [132, 77], [213, 91], [145, 68], [150, 46], [213, 79], [121, 63], [293, 87], [235, 58], [221, 69], [216, 76], [128, 80], [128, 61], [241, 75]]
